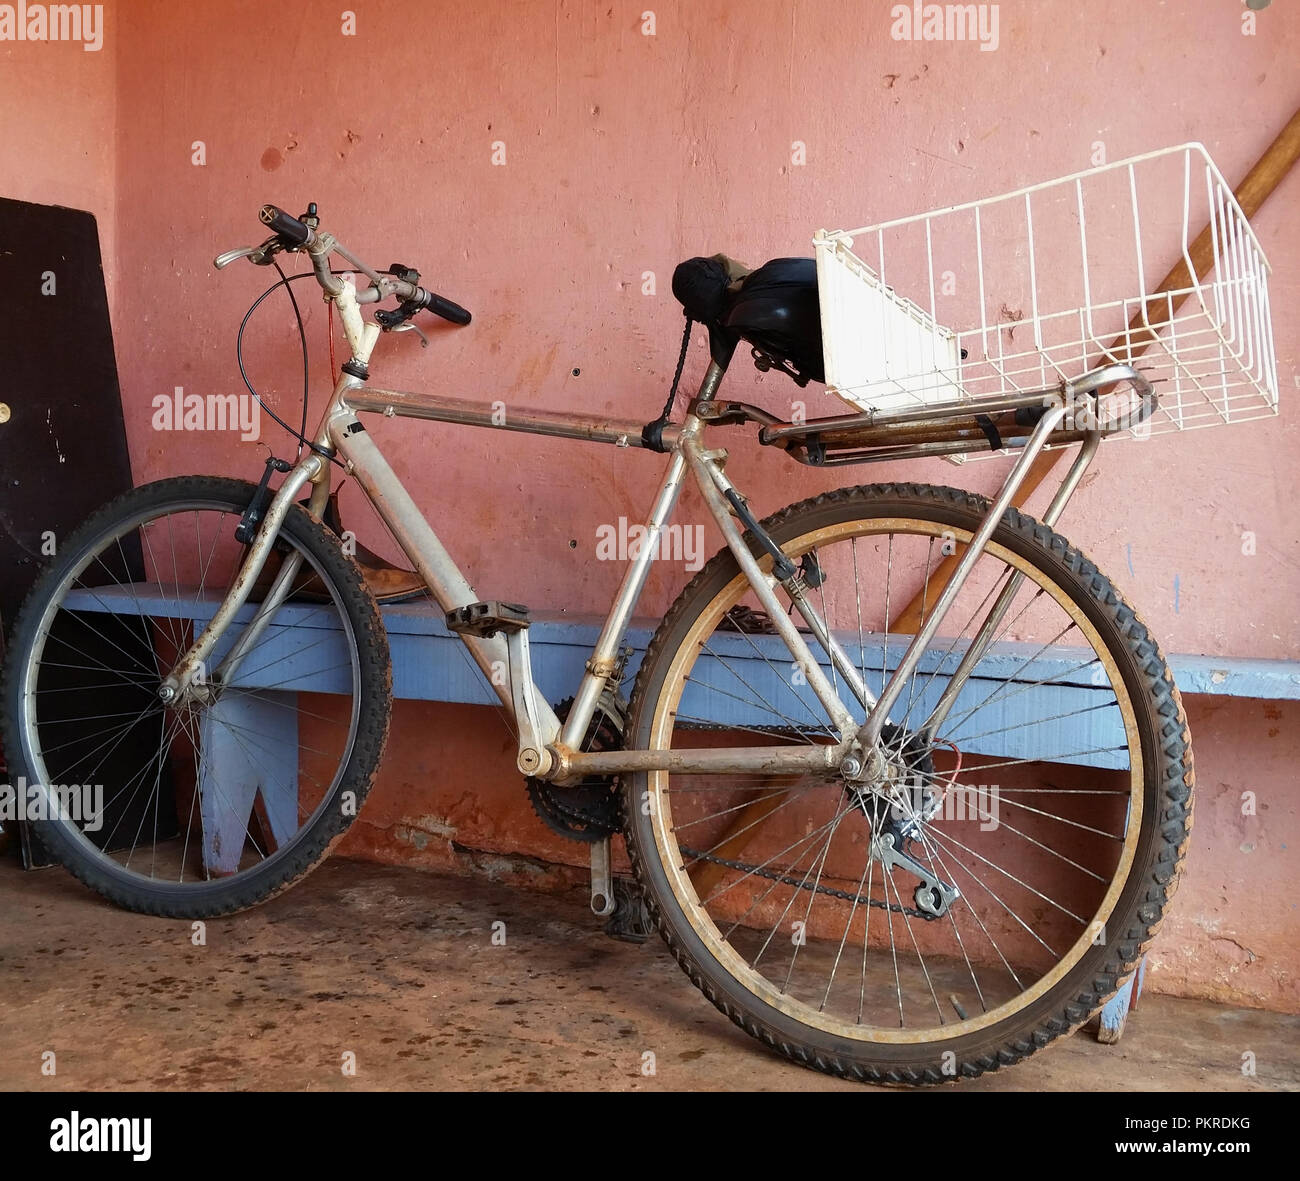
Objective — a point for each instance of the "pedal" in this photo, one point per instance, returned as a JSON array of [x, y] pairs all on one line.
[[630, 921], [486, 619]]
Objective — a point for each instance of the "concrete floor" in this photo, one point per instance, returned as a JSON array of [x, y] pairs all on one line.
[[397, 967]]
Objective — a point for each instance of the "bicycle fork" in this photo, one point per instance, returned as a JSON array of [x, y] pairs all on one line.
[[187, 675]]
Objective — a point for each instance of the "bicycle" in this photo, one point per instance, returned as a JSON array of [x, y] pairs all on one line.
[[790, 770]]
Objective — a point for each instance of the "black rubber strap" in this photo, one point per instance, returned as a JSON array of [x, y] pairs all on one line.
[[985, 423]]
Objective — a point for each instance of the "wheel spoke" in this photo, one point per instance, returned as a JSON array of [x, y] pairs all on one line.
[[260, 761], [974, 914]]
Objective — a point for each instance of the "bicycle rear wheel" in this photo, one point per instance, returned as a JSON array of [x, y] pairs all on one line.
[[984, 892], [210, 805]]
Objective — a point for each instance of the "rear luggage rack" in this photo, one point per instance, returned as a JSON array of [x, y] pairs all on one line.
[[1111, 400]]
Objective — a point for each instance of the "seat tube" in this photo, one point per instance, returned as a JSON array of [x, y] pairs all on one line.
[[712, 380], [604, 658]]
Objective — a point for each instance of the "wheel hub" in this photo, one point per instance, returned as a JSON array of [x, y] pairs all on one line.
[[893, 785]]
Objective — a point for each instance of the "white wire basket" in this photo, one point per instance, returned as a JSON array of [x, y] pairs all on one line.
[[1015, 293]]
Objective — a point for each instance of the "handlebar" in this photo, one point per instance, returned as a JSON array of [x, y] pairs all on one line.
[[291, 233], [446, 309]]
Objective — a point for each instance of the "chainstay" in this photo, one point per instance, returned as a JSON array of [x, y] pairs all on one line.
[[784, 879]]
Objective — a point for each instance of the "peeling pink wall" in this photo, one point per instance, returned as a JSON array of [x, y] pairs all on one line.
[[624, 154]]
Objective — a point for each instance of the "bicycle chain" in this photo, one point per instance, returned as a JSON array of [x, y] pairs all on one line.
[[817, 888], [773, 875]]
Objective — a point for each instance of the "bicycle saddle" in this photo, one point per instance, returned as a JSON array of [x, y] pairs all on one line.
[[775, 308]]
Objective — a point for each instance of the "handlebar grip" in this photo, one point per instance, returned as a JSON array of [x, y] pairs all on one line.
[[289, 229], [446, 309]]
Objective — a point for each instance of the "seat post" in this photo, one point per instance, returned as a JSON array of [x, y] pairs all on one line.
[[712, 380]]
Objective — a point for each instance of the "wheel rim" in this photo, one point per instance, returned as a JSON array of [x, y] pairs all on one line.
[[258, 765], [721, 928]]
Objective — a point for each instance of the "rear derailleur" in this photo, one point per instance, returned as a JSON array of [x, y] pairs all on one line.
[[898, 810]]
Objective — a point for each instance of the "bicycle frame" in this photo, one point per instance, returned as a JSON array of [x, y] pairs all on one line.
[[450, 589], [547, 748]]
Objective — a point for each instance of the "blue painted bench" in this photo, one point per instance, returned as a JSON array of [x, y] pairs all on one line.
[[431, 664]]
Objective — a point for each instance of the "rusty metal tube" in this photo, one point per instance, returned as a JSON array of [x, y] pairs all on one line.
[[621, 432]]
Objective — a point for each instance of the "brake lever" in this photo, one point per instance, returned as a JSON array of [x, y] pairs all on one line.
[[399, 320], [411, 326], [225, 258], [259, 255]]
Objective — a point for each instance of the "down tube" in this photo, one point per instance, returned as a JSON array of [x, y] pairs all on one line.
[[419, 542], [604, 657]]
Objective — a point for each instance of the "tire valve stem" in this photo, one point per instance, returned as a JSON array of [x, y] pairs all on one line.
[[956, 1004]]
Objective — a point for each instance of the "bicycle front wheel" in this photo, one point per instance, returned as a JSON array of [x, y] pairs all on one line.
[[986, 889], [212, 803]]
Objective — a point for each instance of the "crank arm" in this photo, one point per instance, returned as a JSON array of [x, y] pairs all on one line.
[[602, 879]]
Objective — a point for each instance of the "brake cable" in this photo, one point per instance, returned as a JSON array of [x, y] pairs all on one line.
[[300, 435], [330, 331], [284, 281]]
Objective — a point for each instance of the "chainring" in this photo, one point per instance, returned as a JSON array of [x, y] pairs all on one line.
[[587, 811]]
